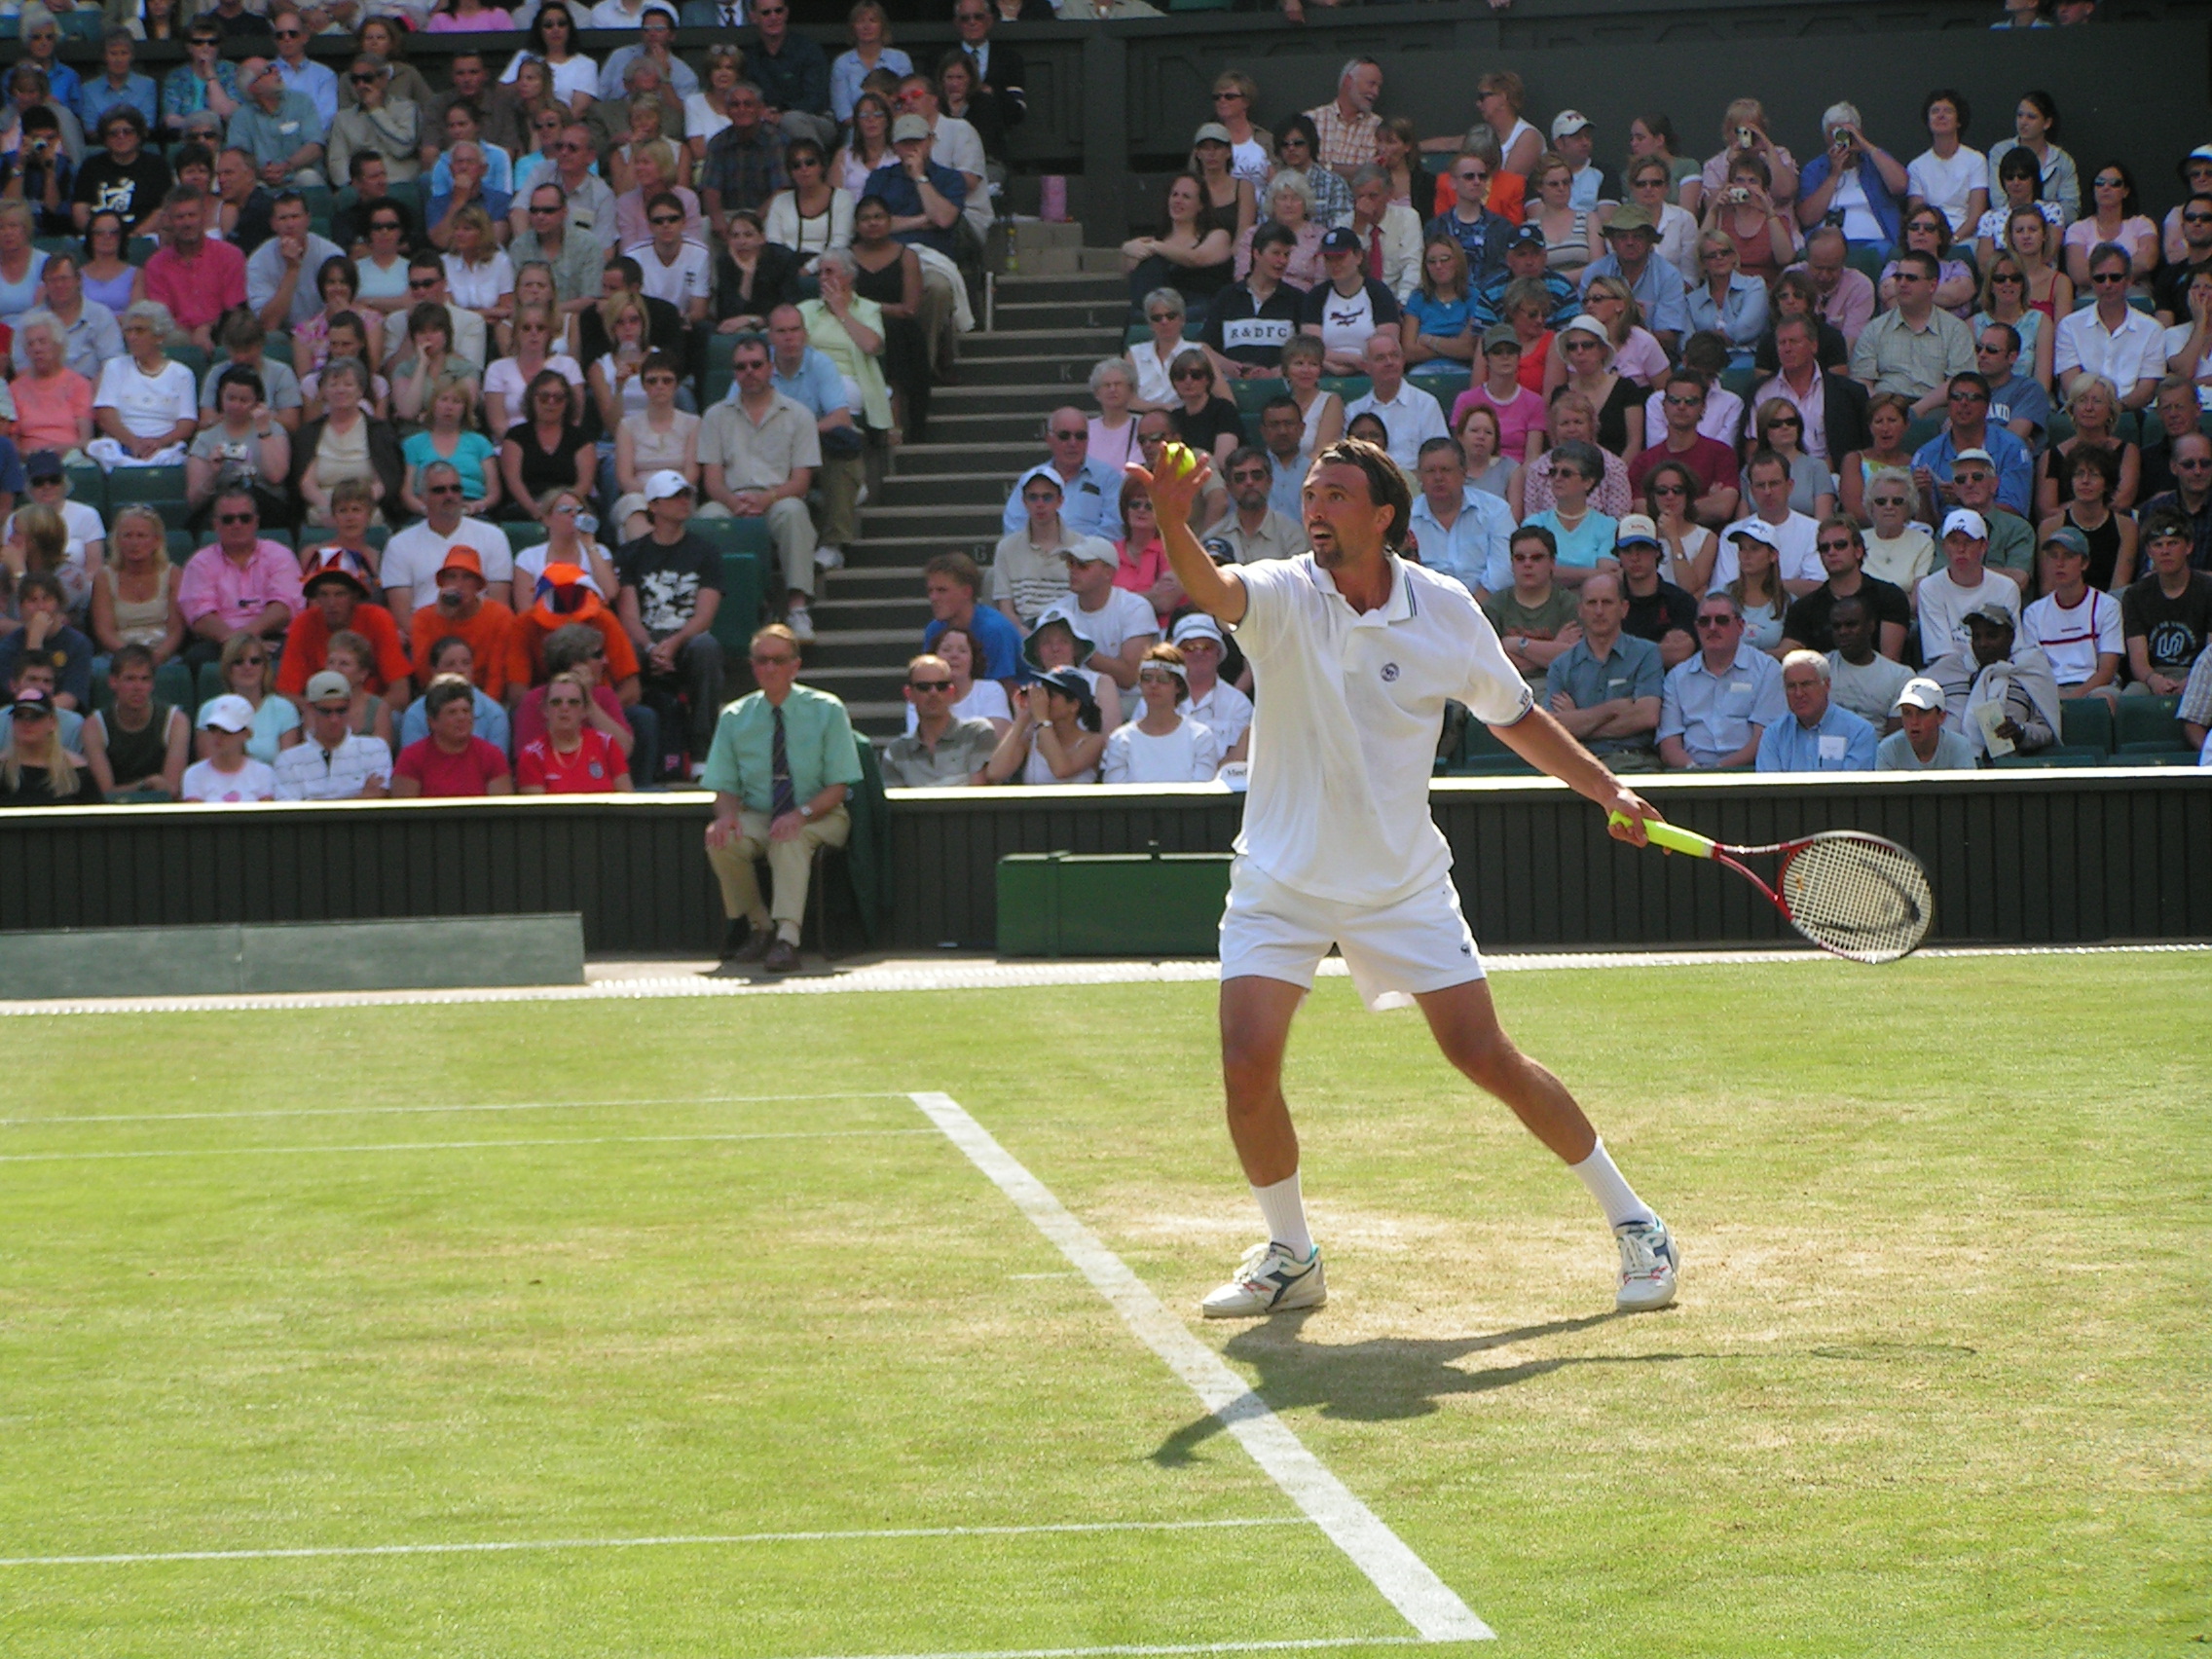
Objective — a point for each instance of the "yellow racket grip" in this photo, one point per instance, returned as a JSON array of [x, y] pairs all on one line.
[[1674, 839]]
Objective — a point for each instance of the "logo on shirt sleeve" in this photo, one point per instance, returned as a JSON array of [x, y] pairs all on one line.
[[1390, 672]]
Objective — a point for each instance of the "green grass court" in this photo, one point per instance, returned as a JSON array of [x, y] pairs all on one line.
[[712, 1304]]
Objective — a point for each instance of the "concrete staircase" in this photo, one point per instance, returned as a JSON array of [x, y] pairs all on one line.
[[947, 494]]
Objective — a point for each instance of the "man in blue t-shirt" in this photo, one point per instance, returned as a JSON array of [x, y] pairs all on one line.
[[953, 581], [925, 199]]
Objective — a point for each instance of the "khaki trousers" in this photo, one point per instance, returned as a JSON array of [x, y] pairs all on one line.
[[790, 864], [790, 527]]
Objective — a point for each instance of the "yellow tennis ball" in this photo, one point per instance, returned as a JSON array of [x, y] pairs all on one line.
[[1180, 459]]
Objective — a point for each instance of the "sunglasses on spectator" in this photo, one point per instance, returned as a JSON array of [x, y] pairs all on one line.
[[423, 282], [1193, 375], [2009, 278], [1722, 621], [237, 518], [1232, 92], [1969, 475], [546, 207], [1067, 437], [1968, 394], [1670, 490], [1154, 677], [1249, 475], [922, 685], [558, 703], [2192, 465], [364, 80], [254, 661], [2106, 278], [2105, 182], [666, 219], [565, 509], [759, 661], [441, 488], [1843, 546], [1163, 316], [1784, 421]]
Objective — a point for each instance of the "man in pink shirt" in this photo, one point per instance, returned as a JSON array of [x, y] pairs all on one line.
[[1844, 297], [240, 584], [198, 280]]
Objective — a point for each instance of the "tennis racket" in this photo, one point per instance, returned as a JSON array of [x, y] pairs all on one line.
[[1853, 895]]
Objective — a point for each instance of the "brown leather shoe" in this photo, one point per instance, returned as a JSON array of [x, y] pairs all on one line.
[[753, 947], [781, 957]]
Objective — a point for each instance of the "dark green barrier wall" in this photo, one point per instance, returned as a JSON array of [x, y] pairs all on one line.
[[2017, 857]]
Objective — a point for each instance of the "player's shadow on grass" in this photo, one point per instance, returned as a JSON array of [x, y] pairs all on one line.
[[1386, 1378]]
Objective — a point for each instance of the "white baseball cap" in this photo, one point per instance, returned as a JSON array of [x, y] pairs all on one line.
[[227, 713], [1965, 519], [665, 483], [1569, 121], [1922, 693], [1197, 625]]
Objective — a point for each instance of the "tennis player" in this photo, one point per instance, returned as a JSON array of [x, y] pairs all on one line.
[[1357, 650]]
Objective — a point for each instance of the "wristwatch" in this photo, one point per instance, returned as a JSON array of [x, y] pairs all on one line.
[[806, 811]]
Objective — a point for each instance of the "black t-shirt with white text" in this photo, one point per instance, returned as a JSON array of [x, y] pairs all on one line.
[[1254, 333], [135, 191], [2173, 630]]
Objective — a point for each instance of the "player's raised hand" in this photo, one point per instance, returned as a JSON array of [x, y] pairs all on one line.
[[1183, 475]]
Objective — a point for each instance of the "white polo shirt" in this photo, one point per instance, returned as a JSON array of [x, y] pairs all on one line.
[[306, 771], [411, 559], [690, 277], [1797, 539], [1343, 738], [2137, 351], [1225, 709], [1412, 419], [2074, 638]]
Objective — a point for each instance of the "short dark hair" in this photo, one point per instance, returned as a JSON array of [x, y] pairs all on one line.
[[125, 113], [1272, 233], [1281, 400], [1538, 534], [1435, 445], [959, 567], [1244, 454], [447, 689], [238, 375], [1385, 485], [1929, 266], [633, 274], [1955, 99], [1970, 377], [130, 656], [2159, 521], [1583, 458]]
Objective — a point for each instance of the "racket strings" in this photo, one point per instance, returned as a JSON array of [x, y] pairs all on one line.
[[1861, 898]]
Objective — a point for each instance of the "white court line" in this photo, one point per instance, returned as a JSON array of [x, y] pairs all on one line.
[[444, 1146], [1304, 1643], [1429, 1604], [449, 1106], [673, 1542], [964, 976]]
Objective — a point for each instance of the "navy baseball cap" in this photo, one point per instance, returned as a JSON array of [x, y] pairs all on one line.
[[1341, 241], [1526, 234]]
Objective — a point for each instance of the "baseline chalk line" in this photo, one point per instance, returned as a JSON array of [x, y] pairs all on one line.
[[1427, 1603], [442, 1106], [450, 1146], [1137, 1650]]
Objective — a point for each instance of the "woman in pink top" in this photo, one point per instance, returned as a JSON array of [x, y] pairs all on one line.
[[1520, 412], [1143, 569], [54, 403], [467, 16]]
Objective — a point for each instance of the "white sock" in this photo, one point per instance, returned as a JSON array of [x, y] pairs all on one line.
[[788, 932], [1613, 1194], [1284, 1211]]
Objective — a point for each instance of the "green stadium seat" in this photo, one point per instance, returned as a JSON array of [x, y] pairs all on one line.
[[1444, 385], [2148, 724], [2058, 755], [2060, 428], [1741, 382], [1350, 387], [1924, 430], [82, 27], [1483, 753], [197, 358], [156, 486], [719, 350], [1200, 4], [274, 532], [87, 484], [1253, 395], [715, 384], [57, 244], [182, 544], [746, 537], [279, 347], [1868, 260], [739, 612], [1136, 334], [140, 250], [522, 535], [2086, 722]]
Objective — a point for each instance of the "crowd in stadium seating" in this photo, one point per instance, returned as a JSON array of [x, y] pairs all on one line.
[[1746, 463], [327, 370], [337, 393]]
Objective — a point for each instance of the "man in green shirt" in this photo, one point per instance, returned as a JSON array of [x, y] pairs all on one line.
[[1535, 618], [781, 762]]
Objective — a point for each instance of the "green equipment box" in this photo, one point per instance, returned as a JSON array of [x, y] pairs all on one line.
[[1110, 904]]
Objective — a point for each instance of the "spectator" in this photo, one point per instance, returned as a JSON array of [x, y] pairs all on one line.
[[43, 670], [1855, 185], [77, 539], [1651, 186], [1389, 232], [783, 762], [1288, 198], [246, 342], [414, 557], [814, 215], [1999, 693], [1716, 707], [1756, 585], [2166, 616], [347, 443], [1916, 348], [463, 611], [1821, 735], [2076, 626], [744, 166], [473, 191], [2036, 124], [2113, 220], [1028, 575], [941, 750], [1605, 686], [1163, 744], [1114, 428], [451, 658], [1208, 699], [1056, 737], [384, 39], [1898, 551], [376, 128], [545, 450], [1529, 282], [1779, 428], [1688, 549], [1408, 414], [45, 628], [1888, 416], [1000, 69], [1470, 222], [1320, 411], [1250, 322], [1193, 258], [570, 757], [278, 289], [1297, 149], [2110, 338], [1809, 623], [1859, 678], [120, 86], [1653, 608], [1536, 618], [241, 585], [1437, 330], [1518, 413], [126, 179], [203, 81], [953, 583], [1255, 530], [1582, 536], [134, 596], [1346, 127], [338, 585], [2191, 498], [354, 657], [579, 651], [1843, 298], [1120, 625], [1141, 559], [1632, 241], [677, 271], [1089, 489], [1926, 744], [2011, 538], [1948, 175], [2189, 255], [1282, 433], [281, 128], [245, 669], [972, 699], [86, 330], [246, 447], [1968, 431], [655, 22], [1793, 298], [759, 451], [2017, 403], [452, 760], [136, 745], [36, 767], [2195, 710], [2095, 407], [1728, 302], [2028, 231], [334, 763], [925, 199], [1206, 424], [1709, 462], [228, 775], [843, 332], [1743, 133], [1793, 536], [2178, 414], [1149, 361], [146, 408], [462, 332], [670, 592], [1945, 597], [1575, 421]]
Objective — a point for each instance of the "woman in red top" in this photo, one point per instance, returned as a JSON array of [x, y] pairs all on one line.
[[571, 758], [453, 760], [1143, 569]]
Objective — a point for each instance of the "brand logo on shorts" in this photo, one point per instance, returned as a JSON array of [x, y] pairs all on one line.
[[1390, 672]]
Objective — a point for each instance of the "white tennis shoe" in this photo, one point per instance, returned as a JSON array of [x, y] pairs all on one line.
[[1270, 1280], [1649, 1266]]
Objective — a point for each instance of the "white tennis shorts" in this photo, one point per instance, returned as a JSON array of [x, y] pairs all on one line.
[[1418, 945]]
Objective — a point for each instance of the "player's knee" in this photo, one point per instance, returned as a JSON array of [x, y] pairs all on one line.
[[1486, 1058]]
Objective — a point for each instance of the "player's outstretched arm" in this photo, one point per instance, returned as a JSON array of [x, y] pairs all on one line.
[[1542, 741], [1218, 592]]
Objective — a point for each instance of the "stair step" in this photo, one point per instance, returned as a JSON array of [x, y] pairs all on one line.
[[1013, 342], [929, 460], [1013, 425], [1033, 399], [1024, 287], [949, 489], [905, 613], [938, 519], [1108, 315], [1029, 369]]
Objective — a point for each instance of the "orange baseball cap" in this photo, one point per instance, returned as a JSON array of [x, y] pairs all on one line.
[[463, 558]]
